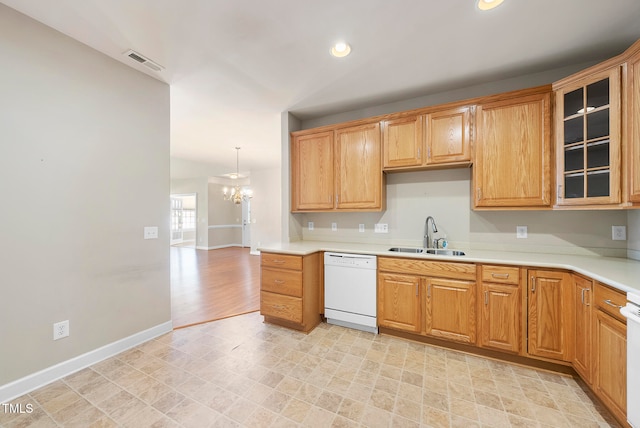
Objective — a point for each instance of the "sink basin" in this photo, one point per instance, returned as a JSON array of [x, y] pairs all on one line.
[[443, 252], [407, 250]]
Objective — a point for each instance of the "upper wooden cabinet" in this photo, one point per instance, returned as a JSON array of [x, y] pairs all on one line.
[[337, 170], [632, 119], [434, 139], [588, 145]]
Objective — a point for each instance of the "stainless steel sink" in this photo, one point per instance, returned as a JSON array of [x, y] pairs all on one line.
[[443, 252], [438, 252], [407, 250]]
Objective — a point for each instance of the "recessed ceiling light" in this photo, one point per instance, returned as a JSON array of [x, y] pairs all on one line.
[[488, 4], [340, 49]]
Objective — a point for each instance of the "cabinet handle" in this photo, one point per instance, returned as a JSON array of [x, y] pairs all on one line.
[[478, 193], [533, 284], [500, 275], [610, 303], [277, 261], [279, 307], [429, 291], [582, 296], [429, 152], [278, 281], [337, 199], [486, 298], [559, 191], [417, 288], [419, 150]]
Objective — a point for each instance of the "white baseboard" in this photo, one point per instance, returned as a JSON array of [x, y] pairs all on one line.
[[254, 252], [39, 379]]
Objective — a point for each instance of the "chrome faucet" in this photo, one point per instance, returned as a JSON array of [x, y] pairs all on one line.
[[427, 234]]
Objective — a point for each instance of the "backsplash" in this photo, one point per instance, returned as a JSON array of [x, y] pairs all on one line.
[[445, 195]]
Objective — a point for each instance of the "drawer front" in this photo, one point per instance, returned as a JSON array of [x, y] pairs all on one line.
[[428, 268], [280, 306], [501, 274], [609, 300], [281, 281], [284, 261]]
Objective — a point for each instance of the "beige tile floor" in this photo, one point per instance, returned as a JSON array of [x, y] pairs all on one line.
[[242, 372]]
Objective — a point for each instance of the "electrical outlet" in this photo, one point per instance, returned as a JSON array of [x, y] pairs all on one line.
[[381, 228], [151, 232], [60, 329], [310, 225], [521, 232], [361, 227], [334, 227], [619, 233]]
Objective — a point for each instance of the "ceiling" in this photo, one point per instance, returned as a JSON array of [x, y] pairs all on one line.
[[235, 65]]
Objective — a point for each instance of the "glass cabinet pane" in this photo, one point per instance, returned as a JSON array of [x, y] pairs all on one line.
[[598, 124], [574, 186], [574, 159], [598, 184], [574, 130], [573, 101], [598, 154], [598, 94]]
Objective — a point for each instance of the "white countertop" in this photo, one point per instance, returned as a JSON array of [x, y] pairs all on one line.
[[623, 274]]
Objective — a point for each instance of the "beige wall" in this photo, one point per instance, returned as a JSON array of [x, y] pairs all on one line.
[[84, 155], [225, 218], [633, 234], [266, 212]]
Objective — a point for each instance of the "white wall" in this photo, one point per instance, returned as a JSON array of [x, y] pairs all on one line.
[[266, 212], [84, 158], [633, 234], [199, 186]]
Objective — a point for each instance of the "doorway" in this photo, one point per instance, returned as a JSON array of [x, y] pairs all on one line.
[[184, 220]]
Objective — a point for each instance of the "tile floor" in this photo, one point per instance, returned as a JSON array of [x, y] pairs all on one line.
[[242, 372]]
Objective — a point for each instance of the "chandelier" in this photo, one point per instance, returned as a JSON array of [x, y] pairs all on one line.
[[237, 194]]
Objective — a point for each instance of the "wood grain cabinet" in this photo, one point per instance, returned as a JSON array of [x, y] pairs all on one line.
[[632, 119], [549, 315], [610, 350], [582, 339], [512, 163], [289, 290], [588, 145], [500, 308], [435, 139], [399, 302], [337, 170], [450, 309]]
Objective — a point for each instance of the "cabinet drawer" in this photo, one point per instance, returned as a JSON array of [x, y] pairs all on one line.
[[609, 300], [280, 306], [283, 261], [428, 268], [282, 281], [501, 274]]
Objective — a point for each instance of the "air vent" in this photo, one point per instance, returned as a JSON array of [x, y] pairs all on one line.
[[141, 59]]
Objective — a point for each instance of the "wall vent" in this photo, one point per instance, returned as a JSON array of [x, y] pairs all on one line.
[[141, 59]]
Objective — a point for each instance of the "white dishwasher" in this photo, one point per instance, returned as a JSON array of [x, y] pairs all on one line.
[[350, 291], [632, 313]]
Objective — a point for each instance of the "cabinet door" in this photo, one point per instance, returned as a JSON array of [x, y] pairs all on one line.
[[582, 298], [512, 161], [399, 302], [402, 142], [358, 168], [500, 320], [588, 140], [610, 370], [633, 124], [450, 309], [549, 314], [312, 185], [448, 136]]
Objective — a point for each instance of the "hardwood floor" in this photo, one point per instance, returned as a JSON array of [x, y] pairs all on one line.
[[214, 284]]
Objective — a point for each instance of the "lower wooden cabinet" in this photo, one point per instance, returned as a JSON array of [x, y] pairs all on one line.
[[399, 302], [450, 309], [289, 289], [549, 314], [582, 343], [500, 304]]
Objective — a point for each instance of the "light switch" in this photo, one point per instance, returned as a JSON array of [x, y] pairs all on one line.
[[151, 232], [521, 232]]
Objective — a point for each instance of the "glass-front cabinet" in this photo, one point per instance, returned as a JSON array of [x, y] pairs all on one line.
[[588, 140]]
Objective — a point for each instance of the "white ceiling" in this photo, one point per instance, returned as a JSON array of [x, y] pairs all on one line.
[[235, 65]]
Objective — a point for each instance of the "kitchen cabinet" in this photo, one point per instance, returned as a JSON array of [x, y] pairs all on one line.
[[435, 139], [500, 308], [337, 170], [289, 289], [582, 339], [610, 350], [549, 314], [512, 163], [588, 149], [399, 302], [633, 125], [450, 309], [443, 291]]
